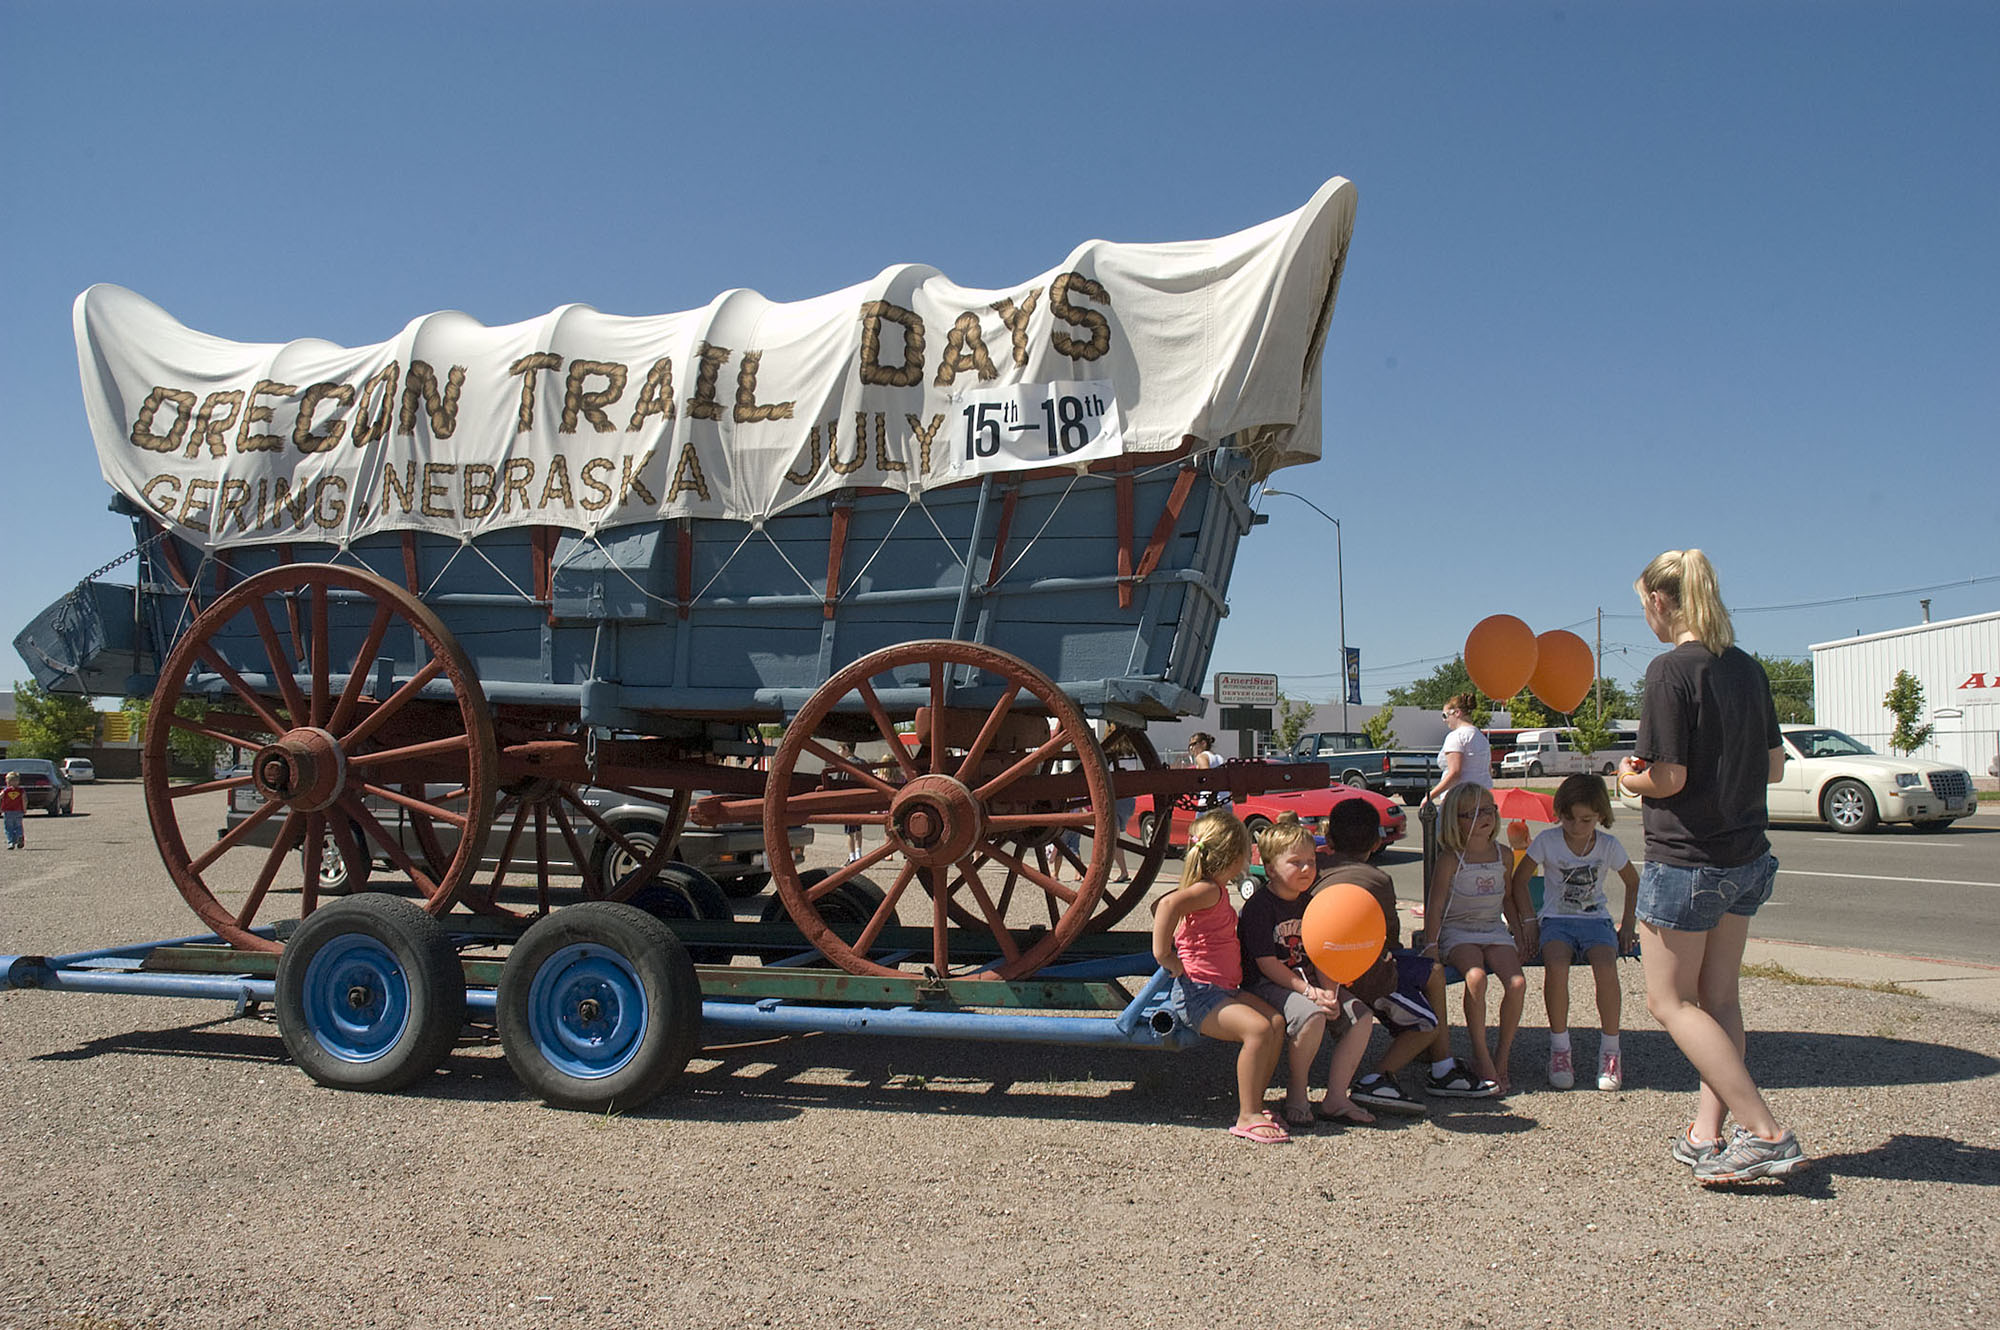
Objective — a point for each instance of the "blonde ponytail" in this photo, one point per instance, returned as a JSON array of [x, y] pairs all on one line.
[[1687, 579], [1217, 841]]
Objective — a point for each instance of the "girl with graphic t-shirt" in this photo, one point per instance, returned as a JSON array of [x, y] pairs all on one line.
[[1194, 940], [1576, 857], [1468, 905]]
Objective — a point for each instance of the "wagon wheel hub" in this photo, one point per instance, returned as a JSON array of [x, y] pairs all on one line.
[[936, 820], [306, 768]]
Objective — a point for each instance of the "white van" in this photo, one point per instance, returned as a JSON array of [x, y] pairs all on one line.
[[1553, 753]]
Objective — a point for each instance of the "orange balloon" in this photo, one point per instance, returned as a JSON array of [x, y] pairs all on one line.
[[1500, 655], [1564, 670], [1343, 931], [1517, 834]]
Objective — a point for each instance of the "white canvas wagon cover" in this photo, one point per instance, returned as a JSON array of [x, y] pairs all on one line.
[[737, 410]]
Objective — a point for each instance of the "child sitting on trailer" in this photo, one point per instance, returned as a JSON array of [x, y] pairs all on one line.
[[1276, 969], [1194, 939], [1405, 989]]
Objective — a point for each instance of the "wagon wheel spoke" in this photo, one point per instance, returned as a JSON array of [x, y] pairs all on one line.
[[236, 836], [322, 688], [314, 852], [416, 805], [1036, 821], [1040, 876], [541, 858], [936, 736], [1032, 762], [223, 737], [434, 748], [208, 787], [244, 692], [282, 667], [376, 832], [993, 911], [988, 732], [825, 886], [269, 872], [854, 769], [592, 887], [885, 913], [886, 727], [491, 898], [399, 699], [357, 675]]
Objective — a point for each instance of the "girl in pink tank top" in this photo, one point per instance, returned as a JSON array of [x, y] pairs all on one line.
[[1194, 939]]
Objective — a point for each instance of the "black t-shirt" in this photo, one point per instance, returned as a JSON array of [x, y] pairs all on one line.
[[1268, 925], [1713, 715]]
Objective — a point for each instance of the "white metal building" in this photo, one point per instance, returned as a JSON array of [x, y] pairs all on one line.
[[1956, 660]]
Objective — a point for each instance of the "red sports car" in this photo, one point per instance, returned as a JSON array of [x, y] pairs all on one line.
[[1260, 810]]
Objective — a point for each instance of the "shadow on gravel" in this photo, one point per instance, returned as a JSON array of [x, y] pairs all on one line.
[[227, 1039], [1917, 1159], [1780, 1059]]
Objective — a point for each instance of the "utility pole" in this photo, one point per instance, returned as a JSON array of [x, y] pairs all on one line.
[[1598, 682]]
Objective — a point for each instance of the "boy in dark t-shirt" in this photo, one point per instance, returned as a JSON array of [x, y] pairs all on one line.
[[1405, 990]]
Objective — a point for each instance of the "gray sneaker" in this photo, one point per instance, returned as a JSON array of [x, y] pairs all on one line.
[[1749, 1156], [1692, 1152]]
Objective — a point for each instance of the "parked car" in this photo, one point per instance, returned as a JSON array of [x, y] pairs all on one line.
[[79, 770], [1260, 810], [1830, 777], [732, 856], [45, 785], [1553, 752]]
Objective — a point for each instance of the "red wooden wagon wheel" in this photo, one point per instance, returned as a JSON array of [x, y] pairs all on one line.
[[1122, 747], [325, 732], [951, 813]]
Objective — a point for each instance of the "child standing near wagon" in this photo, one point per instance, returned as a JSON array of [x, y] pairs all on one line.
[[1468, 905], [1576, 856], [14, 809], [1194, 939], [1276, 969]]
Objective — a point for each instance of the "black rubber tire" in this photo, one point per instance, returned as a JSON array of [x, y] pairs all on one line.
[[1256, 826], [1848, 807], [1354, 780], [339, 877], [681, 891], [1412, 800], [649, 956], [643, 836], [1534, 768], [742, 888], [430, 973], [1147, 822]]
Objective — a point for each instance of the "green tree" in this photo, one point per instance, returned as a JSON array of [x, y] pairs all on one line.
[[1905, 701], [1791, 688], [1592, 734], [190, 749], [1292, 720], [49, 724], [1440, 686], [1380, 729], [1525, 711]]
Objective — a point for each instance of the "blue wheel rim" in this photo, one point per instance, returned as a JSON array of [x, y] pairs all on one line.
[[357, 998], [587, 1011]]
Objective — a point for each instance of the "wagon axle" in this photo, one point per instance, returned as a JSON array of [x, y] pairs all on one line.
[[305, 767]]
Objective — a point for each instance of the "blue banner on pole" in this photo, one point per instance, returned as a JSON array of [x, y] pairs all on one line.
[[1354, 676]]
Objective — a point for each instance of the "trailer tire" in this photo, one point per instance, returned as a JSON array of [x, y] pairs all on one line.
[[598, 1008], [743, 887], [370, 994], [680, 891]]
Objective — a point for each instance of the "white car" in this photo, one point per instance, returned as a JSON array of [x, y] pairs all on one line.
[[79, 770], [1841, 781]]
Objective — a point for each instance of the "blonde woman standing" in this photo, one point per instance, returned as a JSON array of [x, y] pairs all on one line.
[[1707, 750], [1467, 754]]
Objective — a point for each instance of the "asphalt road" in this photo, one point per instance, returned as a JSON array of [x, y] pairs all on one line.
[[1931, 894]]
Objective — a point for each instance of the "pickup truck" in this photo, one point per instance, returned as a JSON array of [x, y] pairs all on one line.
[[1405, 772]]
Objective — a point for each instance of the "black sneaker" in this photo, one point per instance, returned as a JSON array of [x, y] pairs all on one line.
[[1382, 1092], [1458, 1083]]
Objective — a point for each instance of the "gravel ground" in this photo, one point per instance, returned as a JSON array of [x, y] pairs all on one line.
[[164, 1166]]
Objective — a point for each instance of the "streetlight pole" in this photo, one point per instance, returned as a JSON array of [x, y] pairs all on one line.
[[1340, 582]]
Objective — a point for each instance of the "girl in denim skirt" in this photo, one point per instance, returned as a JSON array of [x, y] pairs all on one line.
[[1708, 748], [1194, 939]]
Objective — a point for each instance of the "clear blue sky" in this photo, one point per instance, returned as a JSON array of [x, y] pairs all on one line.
[[1624, 277]]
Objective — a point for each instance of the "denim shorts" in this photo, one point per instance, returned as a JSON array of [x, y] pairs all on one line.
[[1580, 932], [1193, 1002], [1693, 900]]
